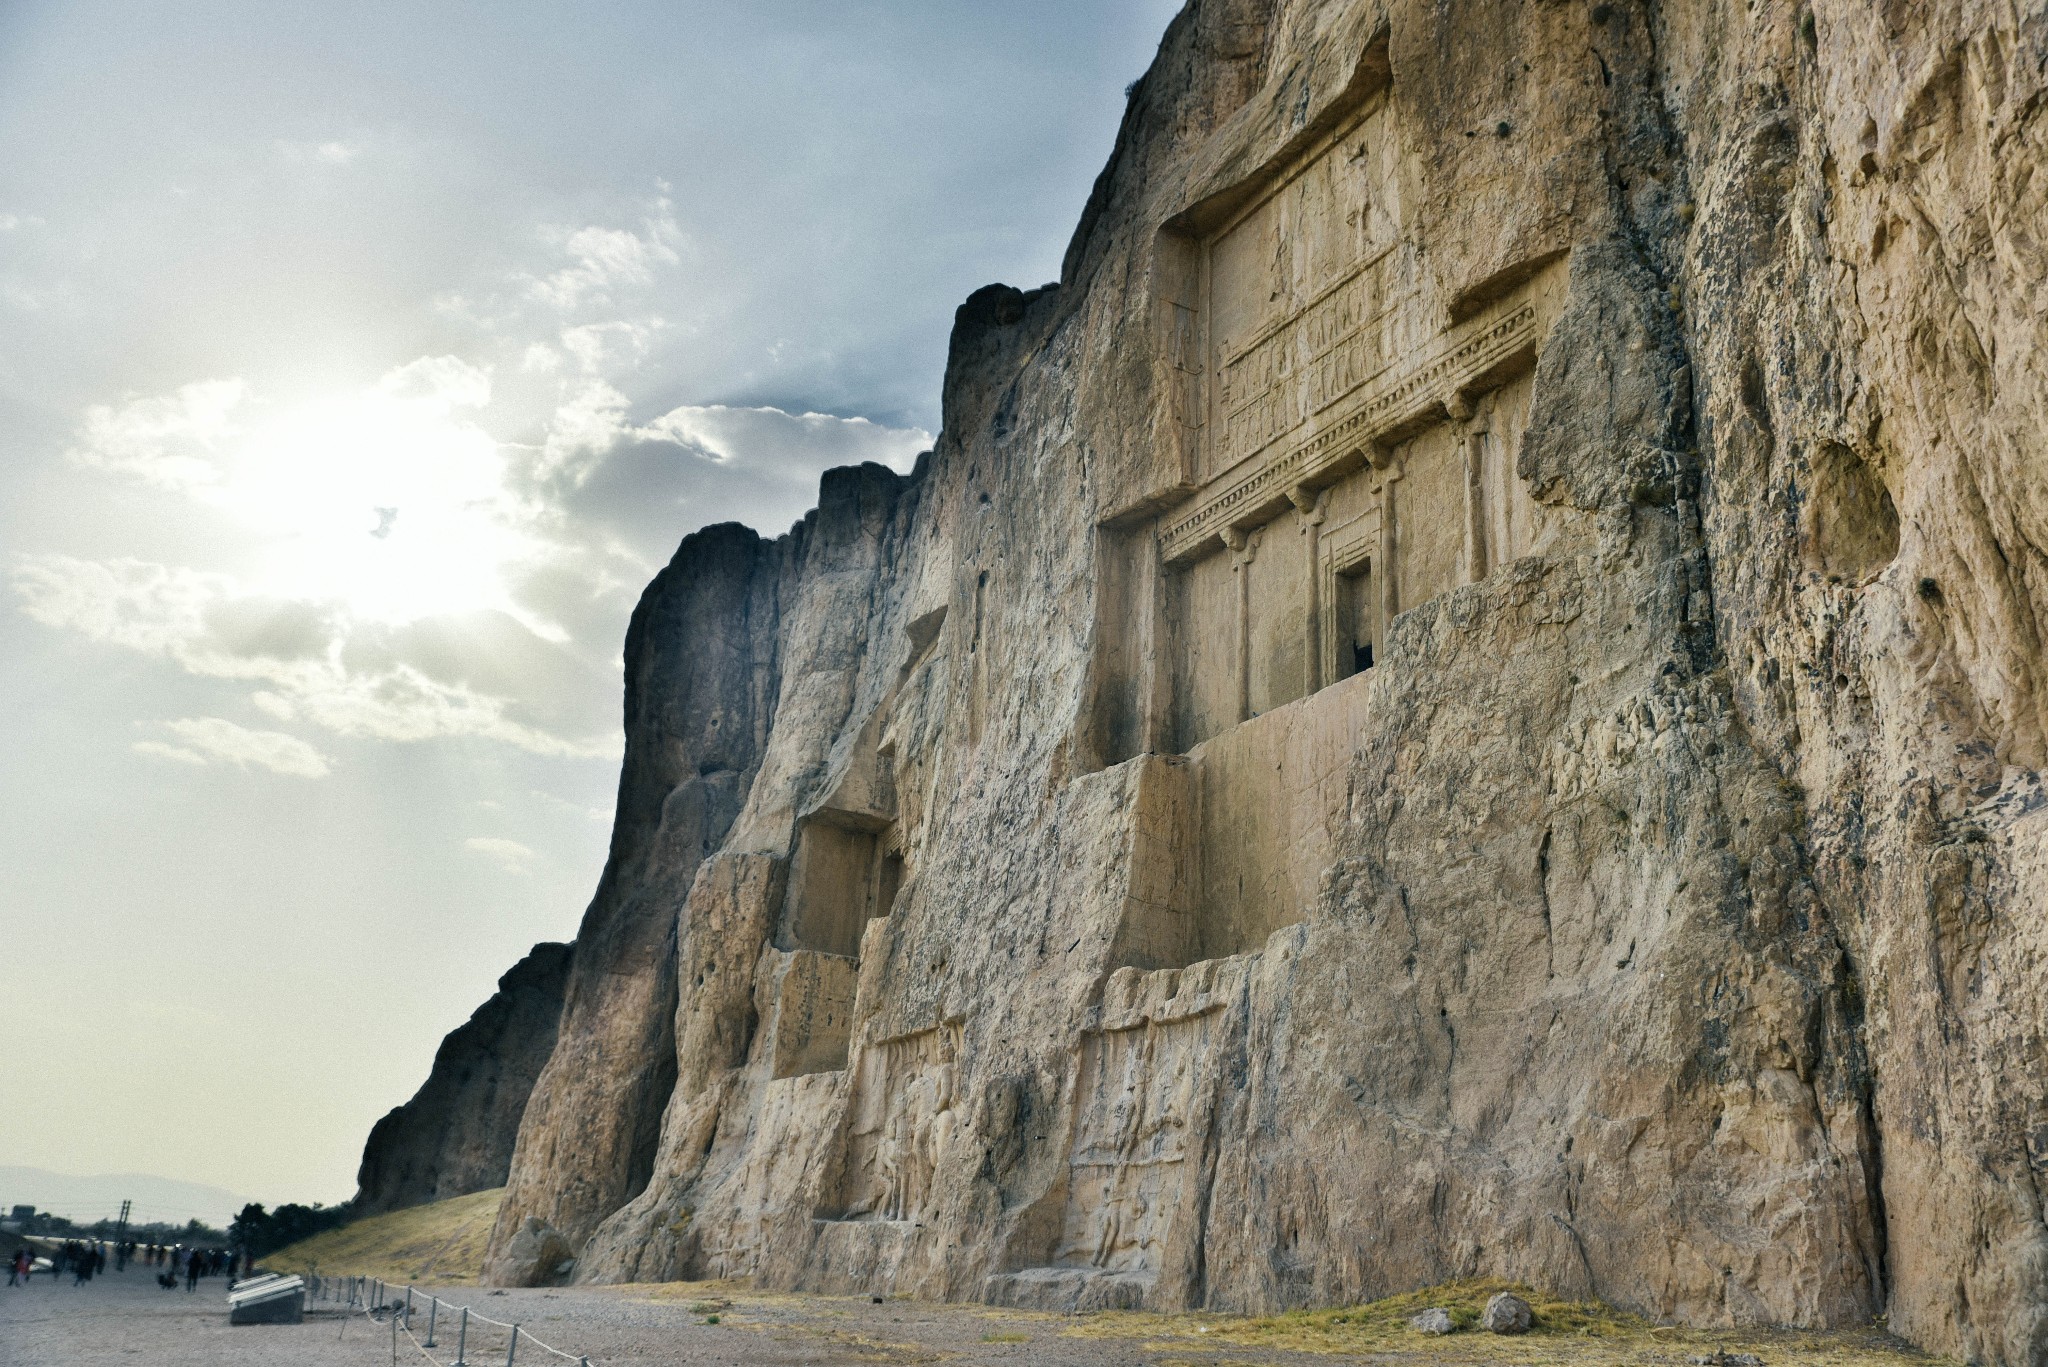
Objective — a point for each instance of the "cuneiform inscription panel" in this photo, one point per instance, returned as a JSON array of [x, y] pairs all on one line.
[[1303, 297]]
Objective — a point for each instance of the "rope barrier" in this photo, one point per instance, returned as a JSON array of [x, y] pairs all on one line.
[[372, 1298]]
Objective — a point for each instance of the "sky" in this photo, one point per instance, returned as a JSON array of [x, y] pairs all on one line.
[[358, 366]]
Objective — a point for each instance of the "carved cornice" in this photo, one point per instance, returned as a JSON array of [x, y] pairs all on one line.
[[1399, 400]]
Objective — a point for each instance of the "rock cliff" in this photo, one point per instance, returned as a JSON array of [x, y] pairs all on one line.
[[455, 1135], [1463, 695]]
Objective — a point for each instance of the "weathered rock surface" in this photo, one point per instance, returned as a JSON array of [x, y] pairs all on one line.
[[1435, 1320], [1506, 1313], [455, 1135], [1463, 696], [535, 1254]]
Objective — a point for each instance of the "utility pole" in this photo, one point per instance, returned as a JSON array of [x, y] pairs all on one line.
[[121, 1226]]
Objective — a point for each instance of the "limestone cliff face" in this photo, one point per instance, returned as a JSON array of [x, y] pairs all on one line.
[[455, 1135], [1463, 695]]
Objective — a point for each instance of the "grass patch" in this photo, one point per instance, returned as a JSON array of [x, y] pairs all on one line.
[[441, 1243], [1005, 1338], [1566, 1332]]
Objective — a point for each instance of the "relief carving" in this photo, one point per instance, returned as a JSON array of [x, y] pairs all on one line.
[[1135, 1107], [1367, 440], [904, 1123]]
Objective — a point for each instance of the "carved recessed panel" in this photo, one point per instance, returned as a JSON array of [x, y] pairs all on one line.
[[813, 1014], [903, 1123], [1135, 1108], [1298, 289]]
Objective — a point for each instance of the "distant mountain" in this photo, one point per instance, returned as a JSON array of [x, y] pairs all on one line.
[[96, 1198]]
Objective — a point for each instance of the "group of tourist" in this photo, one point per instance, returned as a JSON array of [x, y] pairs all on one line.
[[84, 1259]]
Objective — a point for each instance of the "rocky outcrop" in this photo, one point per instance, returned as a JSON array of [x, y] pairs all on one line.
[[1463, 696], [455, 1136], [704, 653]]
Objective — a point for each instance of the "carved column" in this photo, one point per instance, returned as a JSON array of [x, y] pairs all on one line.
[[1474, 443], [1311, 506], [1242, 549]]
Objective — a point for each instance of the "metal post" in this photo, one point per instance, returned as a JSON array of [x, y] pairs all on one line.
[[408, 1304], [433, 1305], [461, 1340], [394, 1341], [512, 1347]]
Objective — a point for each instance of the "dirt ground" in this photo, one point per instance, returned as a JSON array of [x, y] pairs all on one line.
[[125, 1319]]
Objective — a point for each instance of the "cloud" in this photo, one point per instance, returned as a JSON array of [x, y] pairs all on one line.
[[509, 855], [632, 487], [164, 750], [442, 383], [794, 442], [209, 740], [599, 346], [174, 440], [205, 624], [604, 258], [334, 152], [151, 608], [425, 557], [586, 426]]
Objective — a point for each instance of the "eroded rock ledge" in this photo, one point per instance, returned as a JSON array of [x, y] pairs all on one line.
[[1463, 696], [455, 1135]]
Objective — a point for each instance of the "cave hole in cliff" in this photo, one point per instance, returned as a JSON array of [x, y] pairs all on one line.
[[1120, 717], [847, 870], [1848, 524], [1354, 620], [813, 1014]]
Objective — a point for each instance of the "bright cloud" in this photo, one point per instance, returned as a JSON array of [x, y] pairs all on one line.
[[335, 152], [209, 740], [175, 440], [588, 424], [601, 346], [425, 557], [509, 855], [211, 627], [391, 499], [799, 439], [603, 258]]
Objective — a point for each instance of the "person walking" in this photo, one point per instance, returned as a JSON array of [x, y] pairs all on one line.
[[192, 1265], [17, 1268]]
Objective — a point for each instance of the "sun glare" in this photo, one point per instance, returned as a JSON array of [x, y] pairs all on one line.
[[390, 501]]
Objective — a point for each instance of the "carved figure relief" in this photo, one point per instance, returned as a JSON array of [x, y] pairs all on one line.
[[1135, 1102], [904, 1123]]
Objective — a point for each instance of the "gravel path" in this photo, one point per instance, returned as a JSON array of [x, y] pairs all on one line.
[[125, 1320]]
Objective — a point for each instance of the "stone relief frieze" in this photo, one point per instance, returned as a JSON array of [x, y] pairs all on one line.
[[903, 1124], [1135, 1105]]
